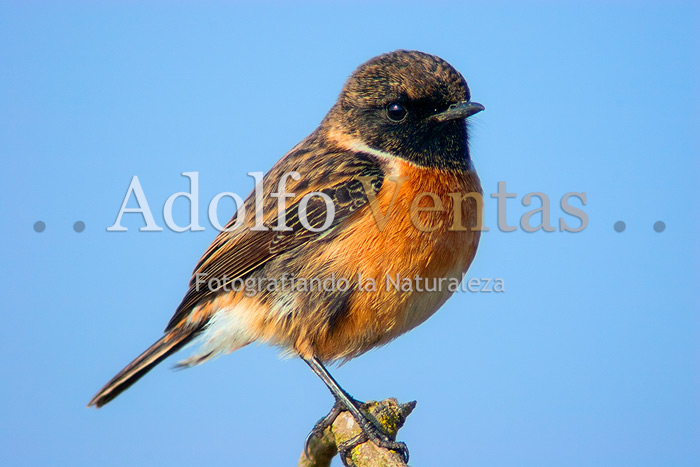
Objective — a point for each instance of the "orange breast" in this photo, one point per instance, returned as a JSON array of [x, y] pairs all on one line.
[[419, 246]]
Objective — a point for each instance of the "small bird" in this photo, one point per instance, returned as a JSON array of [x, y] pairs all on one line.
[[392, 157]]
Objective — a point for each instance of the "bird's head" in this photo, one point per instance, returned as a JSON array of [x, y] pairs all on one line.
[[408, 104]]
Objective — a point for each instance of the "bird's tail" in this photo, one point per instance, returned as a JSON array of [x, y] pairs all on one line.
[[164, 347]]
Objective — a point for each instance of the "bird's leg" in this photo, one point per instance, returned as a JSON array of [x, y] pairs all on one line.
[[343, 401]]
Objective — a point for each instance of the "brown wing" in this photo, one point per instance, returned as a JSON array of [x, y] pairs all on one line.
[[235, 254]]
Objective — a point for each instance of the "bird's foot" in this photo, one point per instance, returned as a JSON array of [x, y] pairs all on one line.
[[375, 434], [370, 430], [319, 429]]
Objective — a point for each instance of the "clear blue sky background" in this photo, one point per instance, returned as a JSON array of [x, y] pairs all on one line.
[[591, 357]]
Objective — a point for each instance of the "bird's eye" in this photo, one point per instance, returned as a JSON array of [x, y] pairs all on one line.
[[396, 112]]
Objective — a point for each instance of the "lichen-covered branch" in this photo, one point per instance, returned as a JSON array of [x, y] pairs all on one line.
[[346, 434]]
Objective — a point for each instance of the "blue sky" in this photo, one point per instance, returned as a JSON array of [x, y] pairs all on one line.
[[590, 357]]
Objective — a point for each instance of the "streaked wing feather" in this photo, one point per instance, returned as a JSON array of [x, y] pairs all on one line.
[[235, 254]]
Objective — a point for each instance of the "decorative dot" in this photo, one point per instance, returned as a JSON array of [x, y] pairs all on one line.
[[39, 226], [79, 226], [660, 226], [619, 226]]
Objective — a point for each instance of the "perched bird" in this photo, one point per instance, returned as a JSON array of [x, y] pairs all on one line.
[[392, 157]]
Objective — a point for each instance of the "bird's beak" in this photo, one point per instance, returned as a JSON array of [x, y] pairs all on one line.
[[460, 110]]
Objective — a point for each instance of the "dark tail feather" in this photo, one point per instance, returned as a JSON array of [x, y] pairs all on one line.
[[162, 349]]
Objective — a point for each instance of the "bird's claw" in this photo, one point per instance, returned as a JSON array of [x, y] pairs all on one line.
[[321, 425], [370, 431], [398, 446], [377, 436]]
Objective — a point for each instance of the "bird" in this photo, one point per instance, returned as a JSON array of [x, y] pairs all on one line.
[[392, 157]]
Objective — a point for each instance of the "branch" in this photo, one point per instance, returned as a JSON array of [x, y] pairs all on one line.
[[344, 432]]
